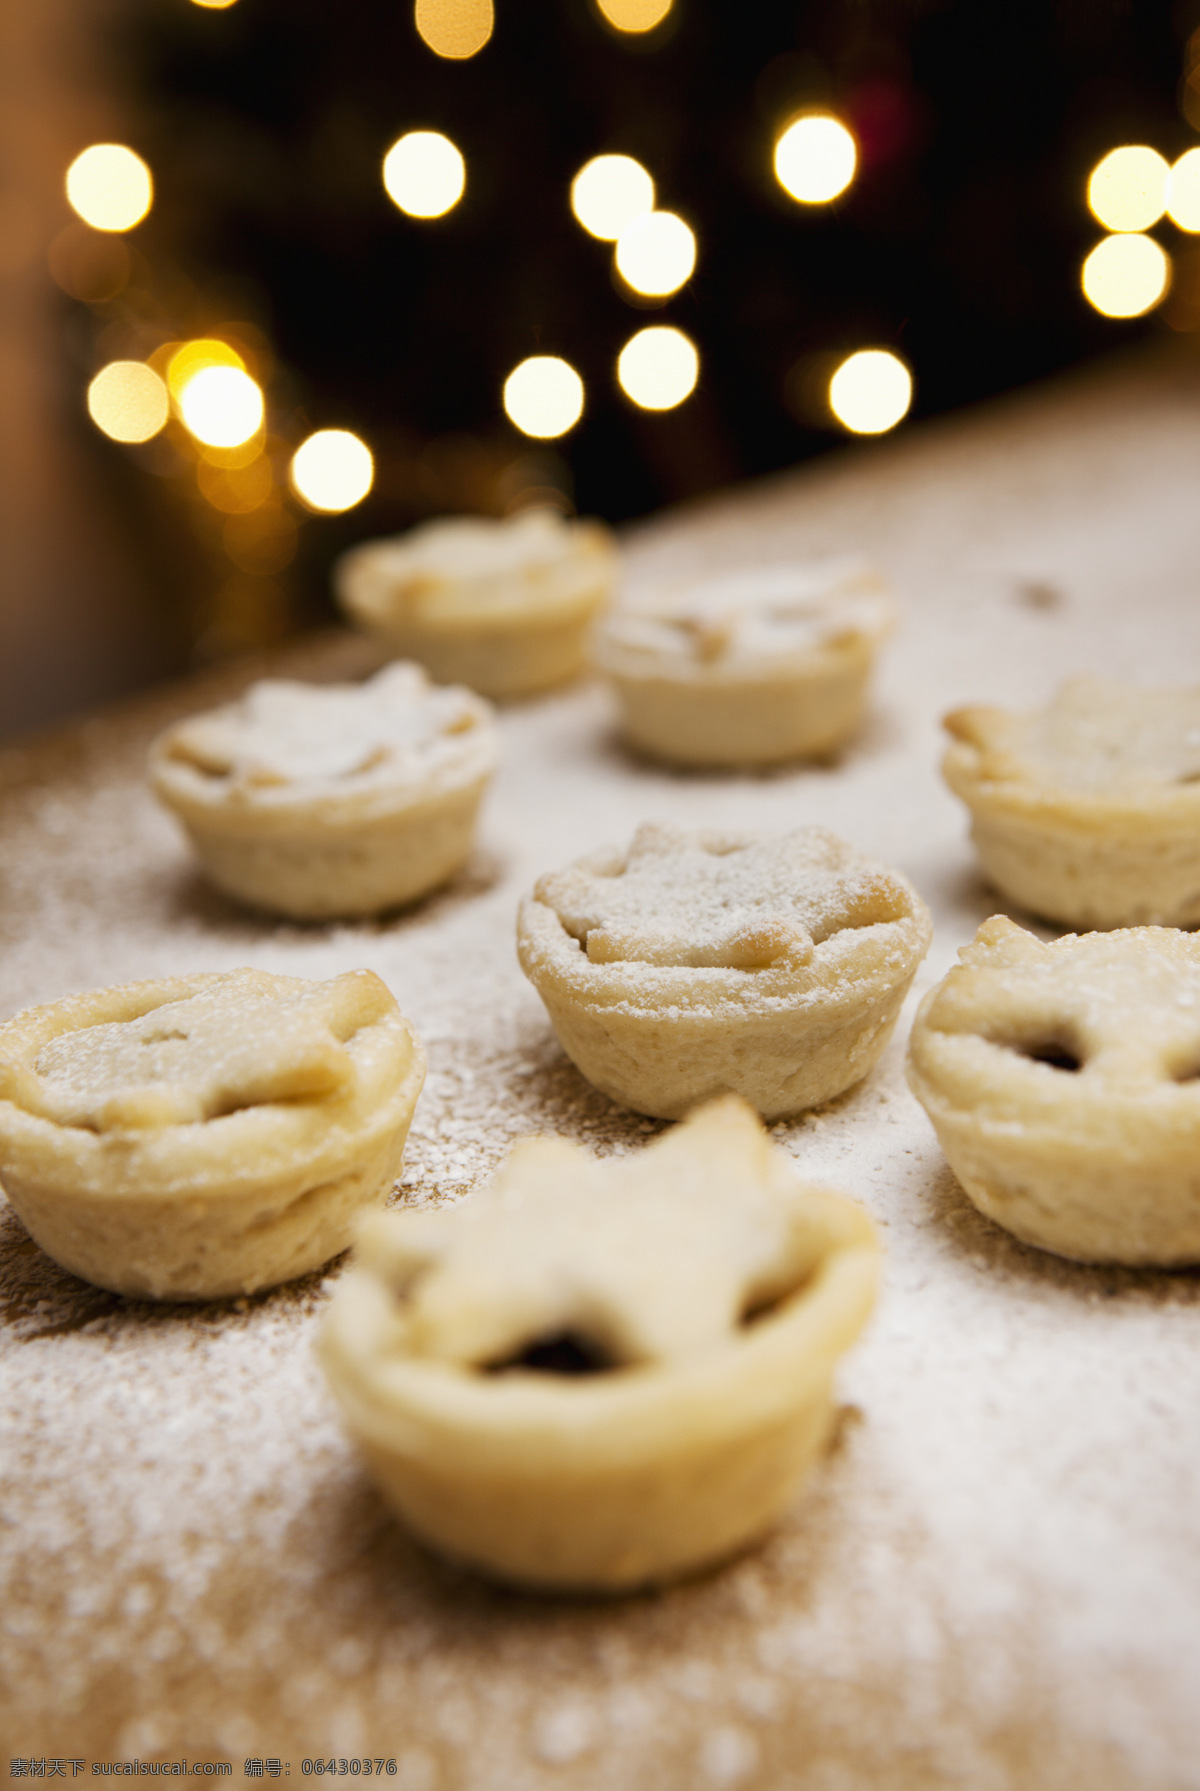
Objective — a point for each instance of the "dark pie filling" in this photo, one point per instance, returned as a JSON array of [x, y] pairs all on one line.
[[564, 1352]]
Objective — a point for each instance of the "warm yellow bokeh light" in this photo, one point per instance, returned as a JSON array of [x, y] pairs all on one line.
[[454, 29], [110, 187], [332, 471], [544, 396], [213, 5], [656, 254], [221, 406], [1126, 275], [634, 15], [1128, 188], [424, 174], [194, 357], [815, 159], [128, 401], [608, 193], [871, 391], [658, 367], [1183, 191]]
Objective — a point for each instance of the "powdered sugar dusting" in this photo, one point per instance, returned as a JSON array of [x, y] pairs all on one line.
[[994, 1580]]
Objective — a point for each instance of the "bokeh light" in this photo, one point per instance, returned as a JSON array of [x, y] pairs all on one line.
[[1183, 191], [656, 254], [658, 367], [1128, 188], [871, 391], [221, 406], [213, 5], [193, 357], [815, 159], [634, 15], [454, 29], [332, 471], [128, 401], [544, 396], [425, 175], [1126, 275], [608, 193], [109, 186]]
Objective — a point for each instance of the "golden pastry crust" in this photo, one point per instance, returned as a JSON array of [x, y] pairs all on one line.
[[747, 668], [694, 1298], [326, 801], [197, 1137], [692, 964], [1088, 811], [503, 606], [1063, 1082]]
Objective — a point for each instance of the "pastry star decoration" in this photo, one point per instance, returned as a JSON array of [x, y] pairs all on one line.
[[719, 902], [652, 1256], [245, 1039], [282, 732], [1130, 998]]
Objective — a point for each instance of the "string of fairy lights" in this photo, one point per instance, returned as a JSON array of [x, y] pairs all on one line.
[[1131, 189], [208, 393]]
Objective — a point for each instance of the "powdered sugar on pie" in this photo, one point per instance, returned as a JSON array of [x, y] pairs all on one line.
[[397, 728], [742, 619]]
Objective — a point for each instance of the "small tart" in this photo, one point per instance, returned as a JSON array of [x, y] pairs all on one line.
[[503, 606], [601, 1374], [197, 1137], [1087, 811], [692, 964], [1063, 1082], [317, 801], [746, 668]]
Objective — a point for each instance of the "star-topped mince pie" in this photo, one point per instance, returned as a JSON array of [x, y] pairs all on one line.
[[203, 1136], [747, 668], [599, 1374], [1087, 811], [1063, 1081], [316, 801], [503, 606], [692, 964]]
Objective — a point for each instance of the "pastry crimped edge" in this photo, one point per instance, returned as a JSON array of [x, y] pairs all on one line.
[[212, 1210], [1114, 1179], [1082, 858], [617, 1480], [322, 855], [502, 642], [799, 705], [784, 1039]]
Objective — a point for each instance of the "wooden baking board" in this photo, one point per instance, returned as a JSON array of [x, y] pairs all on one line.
[[994, 1581]]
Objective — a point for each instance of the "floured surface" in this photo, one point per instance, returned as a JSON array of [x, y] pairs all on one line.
[[994, 1581]]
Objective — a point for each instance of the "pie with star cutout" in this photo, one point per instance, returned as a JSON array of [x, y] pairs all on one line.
[[203, 1136], [598, 1374], [746, 668], [1063, 1082], [691, 964], [1087, 811], [502, 605], [322, 801]]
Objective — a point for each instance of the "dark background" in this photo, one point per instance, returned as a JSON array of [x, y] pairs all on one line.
[[265, 124]]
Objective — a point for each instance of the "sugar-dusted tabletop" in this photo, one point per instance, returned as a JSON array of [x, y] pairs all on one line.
[[994, 1579]]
